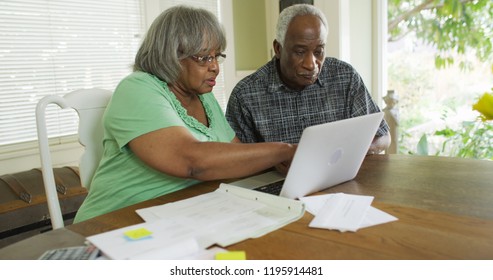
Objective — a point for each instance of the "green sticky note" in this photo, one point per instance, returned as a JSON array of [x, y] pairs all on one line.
[[231, 255], [137, 234]]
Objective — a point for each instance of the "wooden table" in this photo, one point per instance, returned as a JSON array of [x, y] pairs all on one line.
[[444, 206]]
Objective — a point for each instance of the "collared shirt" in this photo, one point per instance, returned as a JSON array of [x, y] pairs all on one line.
[[262, 109]]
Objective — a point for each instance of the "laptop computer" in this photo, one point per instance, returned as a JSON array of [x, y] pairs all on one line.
[[327, 155]]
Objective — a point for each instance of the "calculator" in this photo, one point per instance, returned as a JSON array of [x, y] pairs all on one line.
[[86, 252]]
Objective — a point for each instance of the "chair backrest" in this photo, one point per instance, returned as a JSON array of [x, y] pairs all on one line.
[[89, 105]]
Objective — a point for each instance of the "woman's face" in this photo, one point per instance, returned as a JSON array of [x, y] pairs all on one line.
[[199, 73]]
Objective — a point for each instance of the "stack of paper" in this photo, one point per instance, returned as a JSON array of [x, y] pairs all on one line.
[[229, 215], [184, 229], [159, 240], [344, 212]]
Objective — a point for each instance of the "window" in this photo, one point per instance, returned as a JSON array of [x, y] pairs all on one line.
[[54, 47], [439, 65]]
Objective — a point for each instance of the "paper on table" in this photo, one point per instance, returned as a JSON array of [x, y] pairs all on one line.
[[207, 254], [230, 214], [342, 212], [165, 239], [223, 215], [373, 215], [183, 229]]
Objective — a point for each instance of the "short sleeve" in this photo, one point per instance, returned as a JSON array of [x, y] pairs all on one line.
[[139, 105]]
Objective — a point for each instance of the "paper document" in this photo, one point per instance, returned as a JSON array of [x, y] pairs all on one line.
[[184, 229], [163, 239], [344, 212], [228, 215]]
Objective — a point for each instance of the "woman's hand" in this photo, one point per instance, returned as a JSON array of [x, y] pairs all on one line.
[[283, 167]]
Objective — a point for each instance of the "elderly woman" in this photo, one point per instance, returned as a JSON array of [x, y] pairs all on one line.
[[164, 130]]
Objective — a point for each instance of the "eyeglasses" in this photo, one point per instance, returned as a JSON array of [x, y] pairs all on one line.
[[208, 59]]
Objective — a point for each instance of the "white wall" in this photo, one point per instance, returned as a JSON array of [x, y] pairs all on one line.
[[379, 52], [338, 18], [28, 158], [360, 22]]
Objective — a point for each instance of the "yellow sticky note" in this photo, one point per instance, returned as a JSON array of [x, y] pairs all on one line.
[[231, 255], [136, 234]]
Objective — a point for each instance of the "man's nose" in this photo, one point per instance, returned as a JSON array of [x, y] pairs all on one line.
[[309, 61]]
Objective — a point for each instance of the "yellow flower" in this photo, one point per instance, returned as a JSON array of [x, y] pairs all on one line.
[[485, 106]]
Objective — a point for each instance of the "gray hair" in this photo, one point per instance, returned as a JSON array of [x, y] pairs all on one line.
[[288, 14], [177, 33]]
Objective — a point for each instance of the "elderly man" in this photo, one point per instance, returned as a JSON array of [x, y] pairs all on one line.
[[300, 87]]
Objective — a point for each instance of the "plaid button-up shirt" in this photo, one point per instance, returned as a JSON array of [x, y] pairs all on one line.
[[262, 109]]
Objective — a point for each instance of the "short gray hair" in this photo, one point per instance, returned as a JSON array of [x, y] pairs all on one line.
[[288, 14], [177, 33]]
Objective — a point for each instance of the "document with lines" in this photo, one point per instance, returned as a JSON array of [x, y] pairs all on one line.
[[229, 215], [185, 228]]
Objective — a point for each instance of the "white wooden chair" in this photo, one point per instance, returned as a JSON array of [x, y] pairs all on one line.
[[89, 105]]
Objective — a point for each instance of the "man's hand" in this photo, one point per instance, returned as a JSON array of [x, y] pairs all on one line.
[[379, 144]]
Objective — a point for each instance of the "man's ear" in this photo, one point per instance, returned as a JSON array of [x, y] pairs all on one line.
[[277, 49]]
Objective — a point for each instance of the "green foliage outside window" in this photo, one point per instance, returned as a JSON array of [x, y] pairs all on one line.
[[461, 34], [453, 27], [472, 139]]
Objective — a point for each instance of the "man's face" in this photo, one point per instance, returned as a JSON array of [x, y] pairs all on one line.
[[303, 53]]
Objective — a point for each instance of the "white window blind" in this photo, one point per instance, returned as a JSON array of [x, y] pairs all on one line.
[[214, 7], [57, 46]]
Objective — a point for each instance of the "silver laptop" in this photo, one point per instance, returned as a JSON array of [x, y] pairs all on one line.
[[327, 155]]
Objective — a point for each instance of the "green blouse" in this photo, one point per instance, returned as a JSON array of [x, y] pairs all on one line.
[[140, 104]]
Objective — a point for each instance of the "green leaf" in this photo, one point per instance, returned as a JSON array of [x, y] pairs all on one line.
[[423, 146], [447, 132]]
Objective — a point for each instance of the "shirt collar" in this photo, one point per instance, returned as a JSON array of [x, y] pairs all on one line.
[[275, 83]]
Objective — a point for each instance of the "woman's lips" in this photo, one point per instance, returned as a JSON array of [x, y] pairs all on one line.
[[211, 82]]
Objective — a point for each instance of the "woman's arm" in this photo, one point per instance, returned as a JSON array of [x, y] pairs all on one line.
[[176, 152]]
